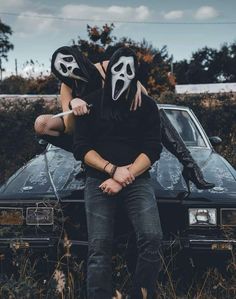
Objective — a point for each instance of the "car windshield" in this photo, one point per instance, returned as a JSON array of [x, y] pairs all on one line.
[[186, 127]]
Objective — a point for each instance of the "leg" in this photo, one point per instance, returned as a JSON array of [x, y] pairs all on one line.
[[46, 125], [100, 216], [174, 144], [142, 209], [52, 130]]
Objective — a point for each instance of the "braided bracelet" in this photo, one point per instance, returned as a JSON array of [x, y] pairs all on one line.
[[113, 170]]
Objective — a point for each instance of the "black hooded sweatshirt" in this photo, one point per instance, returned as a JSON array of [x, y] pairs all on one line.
[[119, 141]]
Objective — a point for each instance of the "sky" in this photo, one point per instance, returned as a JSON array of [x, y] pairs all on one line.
[[40, 27]]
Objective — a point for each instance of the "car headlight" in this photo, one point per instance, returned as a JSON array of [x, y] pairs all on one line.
[[228, 217], [39, 216], [202, 216]]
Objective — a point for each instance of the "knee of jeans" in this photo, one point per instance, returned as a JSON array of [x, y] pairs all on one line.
[[149, 245], [100, 248]]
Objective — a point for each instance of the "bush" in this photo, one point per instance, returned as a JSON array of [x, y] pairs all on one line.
[[18, 143], [20, 85]]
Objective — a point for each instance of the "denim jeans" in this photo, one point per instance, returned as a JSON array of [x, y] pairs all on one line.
[[140, 204]]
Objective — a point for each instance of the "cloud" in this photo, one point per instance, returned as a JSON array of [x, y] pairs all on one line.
[[113, 13], [174, 14], [206, 12], [30, 22], [12, 5]]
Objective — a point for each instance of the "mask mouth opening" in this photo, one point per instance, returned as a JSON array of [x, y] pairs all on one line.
[[118, 87]]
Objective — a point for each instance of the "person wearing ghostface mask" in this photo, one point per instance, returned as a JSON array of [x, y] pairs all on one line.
[[118, 146], [79, 77]]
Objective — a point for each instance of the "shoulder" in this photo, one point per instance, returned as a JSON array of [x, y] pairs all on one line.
[[148, 103], [94, 98]]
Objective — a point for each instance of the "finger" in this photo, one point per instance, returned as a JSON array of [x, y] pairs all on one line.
[[136, 102], [140, 100], [80, 111], [131, 106], [75, 111], [107, 190], [84, 109], [132, 176]]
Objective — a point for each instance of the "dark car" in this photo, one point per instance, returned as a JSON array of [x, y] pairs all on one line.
[[42, 204]]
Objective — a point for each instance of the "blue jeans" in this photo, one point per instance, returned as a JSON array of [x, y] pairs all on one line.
[[141, 207]]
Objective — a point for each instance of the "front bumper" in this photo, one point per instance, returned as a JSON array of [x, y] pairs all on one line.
[[26, 243], [36, 243], [202, 243], [209, 244]]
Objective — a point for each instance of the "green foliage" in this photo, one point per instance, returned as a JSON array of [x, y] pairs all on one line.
[[154, 63], [18, 143], [208, 65], [31, 85], [5, 44]]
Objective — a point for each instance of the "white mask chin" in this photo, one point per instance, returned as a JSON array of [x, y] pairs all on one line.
[[122, 73], [67, 66]]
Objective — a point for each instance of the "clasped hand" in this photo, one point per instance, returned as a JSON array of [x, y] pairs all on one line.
[[121, 178]]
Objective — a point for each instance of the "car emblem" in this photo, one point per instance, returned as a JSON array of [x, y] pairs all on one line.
[[218, 189], [27, 188]]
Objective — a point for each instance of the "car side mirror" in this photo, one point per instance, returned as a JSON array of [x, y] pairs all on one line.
[[215, 140]]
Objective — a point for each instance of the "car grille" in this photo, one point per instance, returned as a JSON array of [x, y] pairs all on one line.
[[228, 217]]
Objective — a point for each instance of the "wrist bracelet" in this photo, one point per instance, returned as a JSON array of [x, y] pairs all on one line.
[[113, 170], [104, 168]]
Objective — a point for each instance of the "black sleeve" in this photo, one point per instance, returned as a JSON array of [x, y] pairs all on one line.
[[82, 137], [151, 145]]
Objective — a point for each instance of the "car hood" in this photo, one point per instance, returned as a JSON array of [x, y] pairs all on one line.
[[168, 180], [54, 172]]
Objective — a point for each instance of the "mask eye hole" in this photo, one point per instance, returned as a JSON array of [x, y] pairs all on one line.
[[118, 67], [68, 59], [129, 71], [64, 69]]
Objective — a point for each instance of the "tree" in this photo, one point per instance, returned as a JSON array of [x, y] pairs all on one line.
[[208, 65], [5, 45], [154, 63]]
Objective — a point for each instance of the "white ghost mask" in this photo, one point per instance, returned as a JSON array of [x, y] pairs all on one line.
[[67, 66], [122, 73]]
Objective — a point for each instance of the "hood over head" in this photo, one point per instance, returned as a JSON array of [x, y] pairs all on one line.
[[120, 83], [75, 70]]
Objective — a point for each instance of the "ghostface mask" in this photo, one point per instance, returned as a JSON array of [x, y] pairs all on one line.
[[122, 73], [67, 66]]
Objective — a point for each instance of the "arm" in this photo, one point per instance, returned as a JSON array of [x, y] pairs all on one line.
[[151, 141], [83, 150], [78, 105], [140, 165]]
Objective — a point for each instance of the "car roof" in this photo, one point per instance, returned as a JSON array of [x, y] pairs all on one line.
[[171, 106]]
